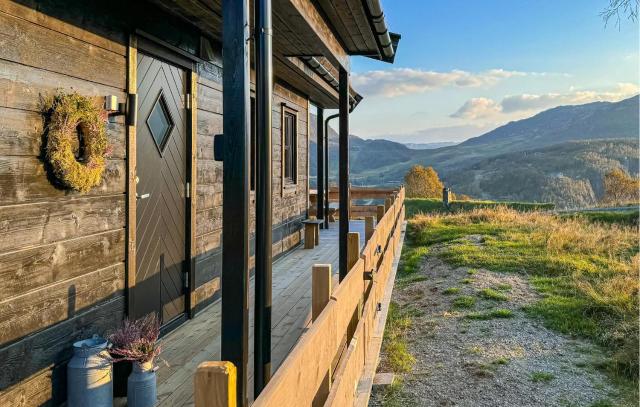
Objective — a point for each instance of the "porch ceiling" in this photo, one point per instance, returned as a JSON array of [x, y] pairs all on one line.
[[298, 30], [349, 20]]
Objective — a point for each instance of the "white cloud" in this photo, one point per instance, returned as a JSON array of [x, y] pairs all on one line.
[[526, 102], [403, 81], [479, 108]]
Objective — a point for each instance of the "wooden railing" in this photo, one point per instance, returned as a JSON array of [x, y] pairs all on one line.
[[359, 211], [326, 366]]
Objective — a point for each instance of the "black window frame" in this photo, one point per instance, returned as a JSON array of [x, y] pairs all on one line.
[[289, 146]]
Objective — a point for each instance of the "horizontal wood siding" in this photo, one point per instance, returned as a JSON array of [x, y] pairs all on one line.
[[288, 208], [62, 253], [62, 269]]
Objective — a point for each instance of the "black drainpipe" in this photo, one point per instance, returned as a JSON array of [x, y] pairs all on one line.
[[263, 260]]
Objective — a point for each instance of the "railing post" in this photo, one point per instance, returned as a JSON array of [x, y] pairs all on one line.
[[320, 295], [353, 249], [215, 385], [380, 213], [387, 204], [368, 228], [320, 288]]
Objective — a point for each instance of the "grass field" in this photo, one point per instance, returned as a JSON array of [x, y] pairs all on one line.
[[628, 218], [416, 206], [584, 266]]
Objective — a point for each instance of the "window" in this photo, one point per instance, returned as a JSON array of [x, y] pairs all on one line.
[[253, 158], [160, 123], [289, 146]]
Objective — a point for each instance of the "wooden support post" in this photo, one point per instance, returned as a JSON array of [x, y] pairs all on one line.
[[353, 249], [320, 164], [215, 385], [343, 146], [387, 204], [380, 213], [320, 295], [235, 203], [368, 228]]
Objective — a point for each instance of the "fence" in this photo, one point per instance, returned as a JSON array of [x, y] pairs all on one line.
[[326, 366]]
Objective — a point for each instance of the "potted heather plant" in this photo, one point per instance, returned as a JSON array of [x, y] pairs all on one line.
[[136, 342]]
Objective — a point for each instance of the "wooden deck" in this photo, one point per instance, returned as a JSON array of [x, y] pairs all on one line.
[[198, 339]]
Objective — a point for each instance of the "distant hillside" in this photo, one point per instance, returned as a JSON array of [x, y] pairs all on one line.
[[568, 174], [530, 159], [429, 146]]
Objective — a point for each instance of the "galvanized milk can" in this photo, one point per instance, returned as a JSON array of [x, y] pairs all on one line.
[[89, 374], [141, 386]]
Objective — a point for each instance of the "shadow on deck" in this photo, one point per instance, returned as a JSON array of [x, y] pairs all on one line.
[[198, 339]]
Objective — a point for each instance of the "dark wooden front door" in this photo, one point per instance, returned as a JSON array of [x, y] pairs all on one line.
[[161, 155]]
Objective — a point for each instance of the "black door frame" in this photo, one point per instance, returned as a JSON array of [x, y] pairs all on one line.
[[156, 48]]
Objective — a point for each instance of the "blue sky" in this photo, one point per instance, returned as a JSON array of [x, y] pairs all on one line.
[[464, 67]]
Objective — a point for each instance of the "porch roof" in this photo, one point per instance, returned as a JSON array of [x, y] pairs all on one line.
[[303, 29]]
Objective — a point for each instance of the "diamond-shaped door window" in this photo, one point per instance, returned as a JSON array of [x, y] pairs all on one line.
[[160, 123]]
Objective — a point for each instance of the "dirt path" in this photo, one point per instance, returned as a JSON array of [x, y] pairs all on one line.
[[500, 358]]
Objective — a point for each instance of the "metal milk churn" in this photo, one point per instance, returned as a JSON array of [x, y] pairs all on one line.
[[141, 386], [89, 374]]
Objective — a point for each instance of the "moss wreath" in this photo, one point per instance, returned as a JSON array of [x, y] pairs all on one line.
[[72, 117]]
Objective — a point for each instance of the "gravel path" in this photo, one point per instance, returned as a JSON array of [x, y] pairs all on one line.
[[495, 362]]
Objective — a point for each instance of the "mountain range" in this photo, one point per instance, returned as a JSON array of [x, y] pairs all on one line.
[[558, 155]]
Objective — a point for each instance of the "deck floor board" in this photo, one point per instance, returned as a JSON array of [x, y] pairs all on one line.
[[198, 339]]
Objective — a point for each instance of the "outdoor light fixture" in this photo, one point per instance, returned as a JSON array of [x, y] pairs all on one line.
[[114, 108]]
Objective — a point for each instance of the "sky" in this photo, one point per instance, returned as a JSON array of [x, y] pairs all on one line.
[[464, 67]]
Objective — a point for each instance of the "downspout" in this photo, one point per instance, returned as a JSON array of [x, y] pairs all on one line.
[[263, 242]]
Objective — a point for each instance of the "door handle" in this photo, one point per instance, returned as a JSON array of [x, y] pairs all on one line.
[[143, 196]]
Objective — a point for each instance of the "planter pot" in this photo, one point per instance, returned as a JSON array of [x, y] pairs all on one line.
[[141, 386], [121, 372], [89, 374]]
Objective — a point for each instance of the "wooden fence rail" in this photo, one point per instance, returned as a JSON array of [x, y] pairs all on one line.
[[341, 331]]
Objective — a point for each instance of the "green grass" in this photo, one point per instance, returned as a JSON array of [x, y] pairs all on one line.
[[585, 270], [410, 260], [493, 314], [542, 377], [396, 349], [603, 403], [628, 218], [503, 287], [451, 290], [491, 294], [500, 361], [464, 301], [467, 280], [431, 205]]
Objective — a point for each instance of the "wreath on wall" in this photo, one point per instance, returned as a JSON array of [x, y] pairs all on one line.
[[76, 148]]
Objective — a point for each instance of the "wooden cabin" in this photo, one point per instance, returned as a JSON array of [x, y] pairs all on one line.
[[186, 128]]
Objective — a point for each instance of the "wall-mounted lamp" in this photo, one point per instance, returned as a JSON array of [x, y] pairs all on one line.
[[114, 108]]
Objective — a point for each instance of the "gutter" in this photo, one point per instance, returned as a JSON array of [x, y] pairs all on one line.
[[387, 41], [318, 68]]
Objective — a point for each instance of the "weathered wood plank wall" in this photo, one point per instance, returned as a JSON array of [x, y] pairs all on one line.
[[289, 207], [61, 254]]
